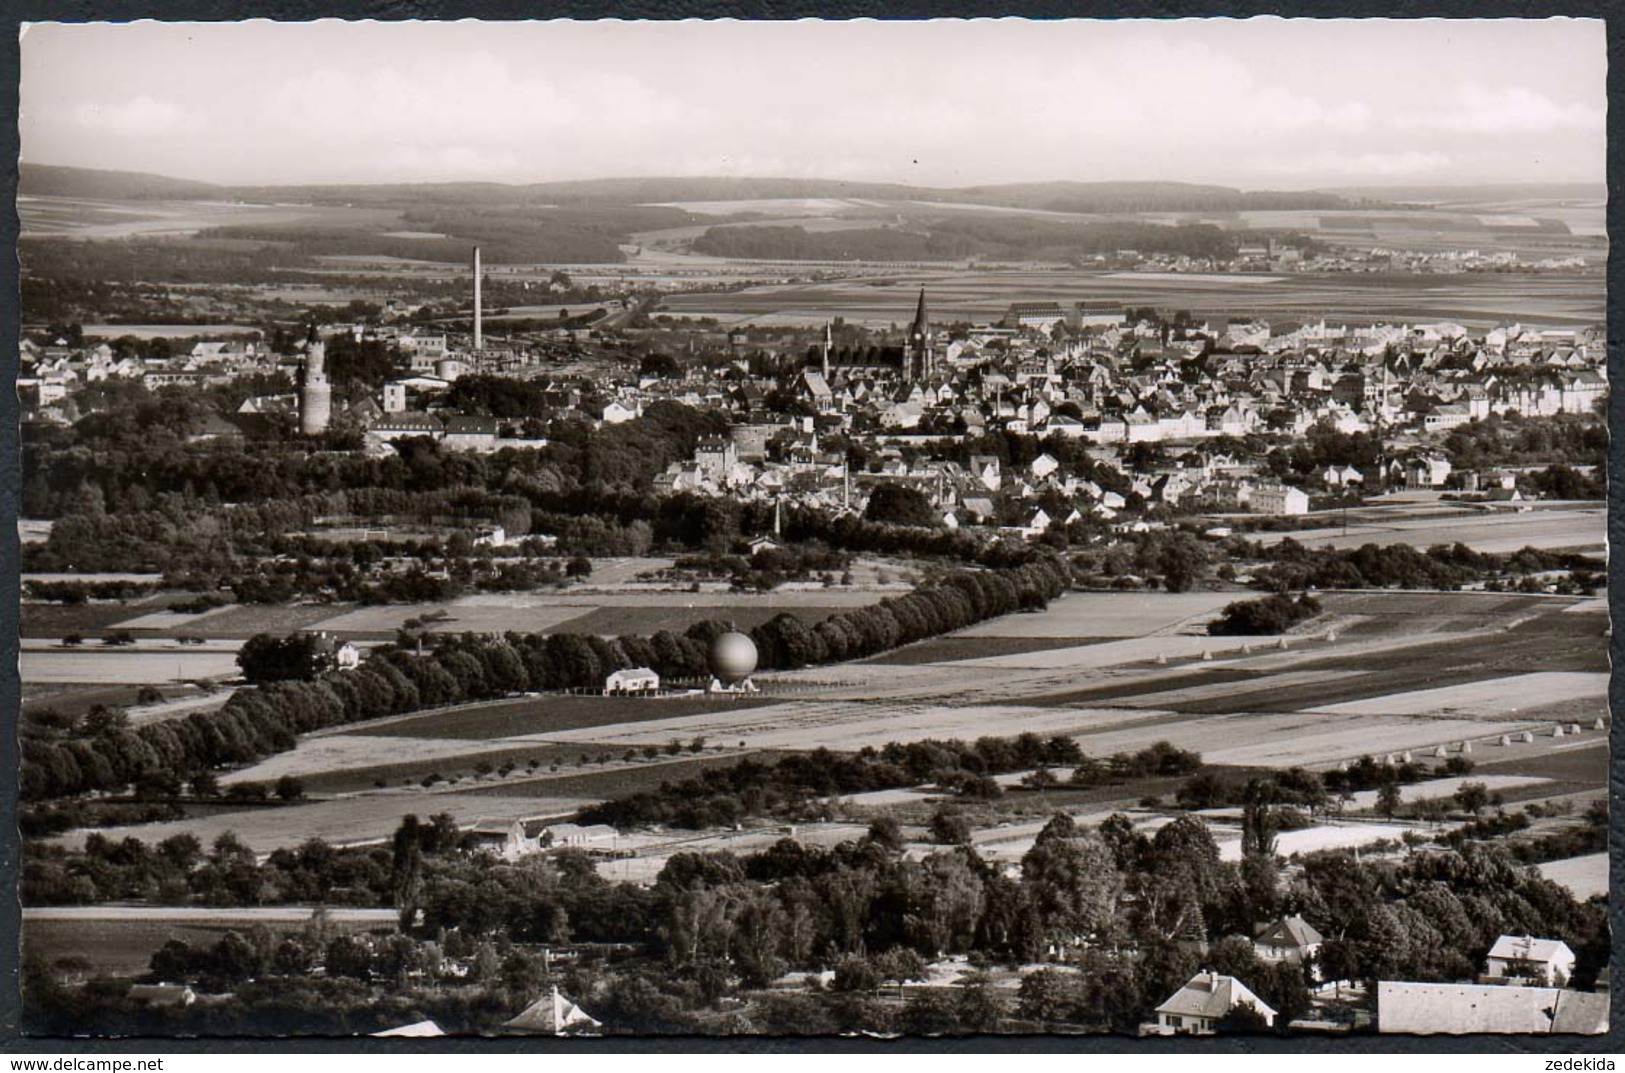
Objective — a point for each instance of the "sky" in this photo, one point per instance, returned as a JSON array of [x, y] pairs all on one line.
[[1257, 103]]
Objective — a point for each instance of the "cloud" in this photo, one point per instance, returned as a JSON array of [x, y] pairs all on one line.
[[140, 115], [1507, 110], [933, 102], [1402, 164], [450, 161]]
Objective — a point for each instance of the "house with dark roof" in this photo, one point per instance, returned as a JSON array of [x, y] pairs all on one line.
[[399, 426], [466, 433], [1288, 939]]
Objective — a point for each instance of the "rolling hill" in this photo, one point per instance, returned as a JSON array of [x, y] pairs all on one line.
[[1064, 196]]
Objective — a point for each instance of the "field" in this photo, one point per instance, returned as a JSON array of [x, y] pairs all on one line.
[[93, 218], [122, 666], [343, 821], [637, 612], [1407, 672], [1502, 532], [54, 621], [528, 716], [613, 781], [1478, 301], [963, 647], [1585, 877], [1490, 697], [1434, 789], [120, 940], [1080, 616], [1313, 839]]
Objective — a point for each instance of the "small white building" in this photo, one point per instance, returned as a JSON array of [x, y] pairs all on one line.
[[618, 413], [632, 680], [576, 836], [1548, 962], [163, 994]]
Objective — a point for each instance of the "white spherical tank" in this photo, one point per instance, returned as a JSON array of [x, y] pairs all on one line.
[[733, 656]]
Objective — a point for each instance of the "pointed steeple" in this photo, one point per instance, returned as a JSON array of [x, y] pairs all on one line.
[[919, 343], [921, 327]]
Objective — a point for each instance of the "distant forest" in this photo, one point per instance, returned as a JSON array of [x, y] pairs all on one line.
[[1089, 197], [1014, 238]]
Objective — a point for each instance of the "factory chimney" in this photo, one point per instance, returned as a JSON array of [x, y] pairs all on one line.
[[479, 341]]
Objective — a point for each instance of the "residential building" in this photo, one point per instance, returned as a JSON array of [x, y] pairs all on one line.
[[1288, 939], [1548, 962], [1278, 499], [1198, 1007]]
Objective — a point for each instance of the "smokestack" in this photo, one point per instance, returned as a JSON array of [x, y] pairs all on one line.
[[479, 341]]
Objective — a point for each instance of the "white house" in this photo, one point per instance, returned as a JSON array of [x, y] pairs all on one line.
[[632, 680], [576, 835], [1278, 499], [516, 843], [1525, 959], [1429, 472], [617, 413], [1199, 1006]]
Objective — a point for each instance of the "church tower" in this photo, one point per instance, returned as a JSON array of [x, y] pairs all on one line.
[[315, 394], [919, 344]]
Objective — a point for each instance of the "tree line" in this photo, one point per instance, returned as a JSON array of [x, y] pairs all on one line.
[[1292, 566], [258, 722], [723, 796]]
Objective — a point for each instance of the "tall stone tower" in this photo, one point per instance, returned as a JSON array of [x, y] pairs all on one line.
[[920, 364], [315, 394]]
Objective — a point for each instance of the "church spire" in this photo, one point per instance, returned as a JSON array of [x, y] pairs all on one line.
[[919, 343]]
